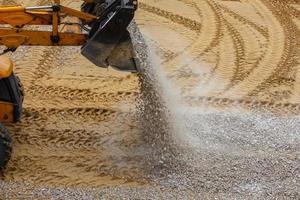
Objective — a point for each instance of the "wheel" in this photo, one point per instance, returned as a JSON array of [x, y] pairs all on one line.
[[11, 91], [18, 97], [5, 147]]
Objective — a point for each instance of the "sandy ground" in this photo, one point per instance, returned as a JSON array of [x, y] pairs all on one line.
[[215, 113]]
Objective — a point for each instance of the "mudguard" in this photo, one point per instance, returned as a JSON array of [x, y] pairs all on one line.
[[6, 67]]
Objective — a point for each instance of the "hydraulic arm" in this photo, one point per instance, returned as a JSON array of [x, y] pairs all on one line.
[[102, 33]]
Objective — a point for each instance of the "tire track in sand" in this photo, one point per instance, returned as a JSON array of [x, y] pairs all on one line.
[[95, 173], [258, 69], [272, 58], [189, 24], [63, 138], [85, 95], [284, 73], [238, 44], [287, 109], [186, 22], [207, 39], [261, 30], [82, 114], [46, 63]]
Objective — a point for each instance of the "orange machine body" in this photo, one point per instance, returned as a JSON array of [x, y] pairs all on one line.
[[6, 108], [17, 17]]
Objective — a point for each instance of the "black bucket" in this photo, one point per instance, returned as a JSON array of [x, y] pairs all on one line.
[[110, 43]]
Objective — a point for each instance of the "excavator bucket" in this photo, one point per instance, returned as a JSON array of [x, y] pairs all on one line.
[[110, 43]]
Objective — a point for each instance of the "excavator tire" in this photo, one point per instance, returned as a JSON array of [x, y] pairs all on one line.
[[17, 89], [20, 87], [5, 147]]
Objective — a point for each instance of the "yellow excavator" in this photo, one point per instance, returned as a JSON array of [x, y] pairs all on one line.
[[100, 28]]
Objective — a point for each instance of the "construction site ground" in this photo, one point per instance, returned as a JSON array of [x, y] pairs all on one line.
[[214, 113]]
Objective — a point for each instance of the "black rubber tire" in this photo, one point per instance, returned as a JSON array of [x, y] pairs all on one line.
[[11, 91], [19, 95], [5, 147], [21, 88]]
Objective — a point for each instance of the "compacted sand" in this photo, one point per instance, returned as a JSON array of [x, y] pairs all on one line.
[[214, 113]]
